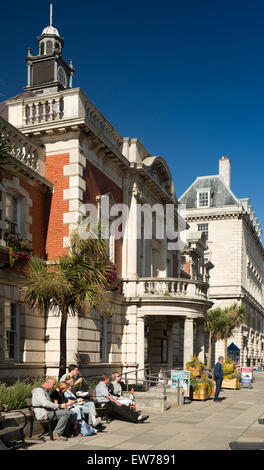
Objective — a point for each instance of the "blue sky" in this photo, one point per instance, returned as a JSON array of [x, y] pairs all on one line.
[[186, 76]]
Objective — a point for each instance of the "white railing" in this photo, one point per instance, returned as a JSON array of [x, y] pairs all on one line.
[[43, 110], [102, 125], [64, 106], [22, 148], [165, 288]]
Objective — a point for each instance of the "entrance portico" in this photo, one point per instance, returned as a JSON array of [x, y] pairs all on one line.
[[171, 341]]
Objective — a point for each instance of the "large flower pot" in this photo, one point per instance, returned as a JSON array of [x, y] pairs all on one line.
[[200, 394], [231, 383], [195, 371], [229, 367]]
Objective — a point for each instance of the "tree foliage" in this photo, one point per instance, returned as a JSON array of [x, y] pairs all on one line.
[[67, 287]]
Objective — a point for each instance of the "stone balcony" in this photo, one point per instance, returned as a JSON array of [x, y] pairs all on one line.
[[22, 150], [166, 289], [66, 108]]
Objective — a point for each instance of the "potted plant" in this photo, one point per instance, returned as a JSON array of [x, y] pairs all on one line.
[[195, 366], [19, 250], [201, 389], [232, 380], [229, 366]]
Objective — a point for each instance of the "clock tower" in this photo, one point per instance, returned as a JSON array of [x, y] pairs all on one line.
[[48, 72]]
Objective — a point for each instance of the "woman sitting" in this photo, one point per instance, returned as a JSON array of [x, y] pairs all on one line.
[[81, 406], [115, 389], [57, 395]]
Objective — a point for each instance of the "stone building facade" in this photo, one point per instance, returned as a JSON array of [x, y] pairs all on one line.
[[66, 154], [235, 248]]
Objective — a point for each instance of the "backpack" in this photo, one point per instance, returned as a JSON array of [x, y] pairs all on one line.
[[86, 429]]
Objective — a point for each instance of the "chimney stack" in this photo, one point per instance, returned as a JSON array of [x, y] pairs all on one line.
[[225, 170]]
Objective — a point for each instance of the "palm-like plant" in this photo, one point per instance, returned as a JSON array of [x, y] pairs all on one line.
[[235, 316], [214, 324], [68, 285], [221, 324]]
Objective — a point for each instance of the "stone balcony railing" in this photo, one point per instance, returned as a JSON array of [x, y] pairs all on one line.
[[59, 109], [23, 149], [166, 288]]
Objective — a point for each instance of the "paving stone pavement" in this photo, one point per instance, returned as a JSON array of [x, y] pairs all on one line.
[[196, 426]]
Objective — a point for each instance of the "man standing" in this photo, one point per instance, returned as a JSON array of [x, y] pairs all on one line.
[[218, 377], [41, 398], [104, 397]]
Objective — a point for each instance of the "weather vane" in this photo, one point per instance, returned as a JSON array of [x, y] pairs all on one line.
[[51, 14]]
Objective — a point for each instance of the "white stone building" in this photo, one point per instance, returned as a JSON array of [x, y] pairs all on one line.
[[156, 319], [235, 248]]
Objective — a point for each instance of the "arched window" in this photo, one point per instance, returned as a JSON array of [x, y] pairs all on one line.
[[42, 48], [49, 47]]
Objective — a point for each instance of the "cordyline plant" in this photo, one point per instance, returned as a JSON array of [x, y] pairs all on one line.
[[69, 285], [222, 323]]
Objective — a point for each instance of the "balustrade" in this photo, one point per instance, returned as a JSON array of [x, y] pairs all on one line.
[[21, 148], [97, 119], [168, 287], [45, 110]]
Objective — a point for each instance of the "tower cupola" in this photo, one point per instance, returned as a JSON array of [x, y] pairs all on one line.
[[48, 72]]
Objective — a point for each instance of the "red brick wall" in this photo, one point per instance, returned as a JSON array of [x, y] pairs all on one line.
[[97, 183], [39, 213], [56, 229]]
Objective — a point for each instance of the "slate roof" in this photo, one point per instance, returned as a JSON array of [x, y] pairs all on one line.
[[221, 195]]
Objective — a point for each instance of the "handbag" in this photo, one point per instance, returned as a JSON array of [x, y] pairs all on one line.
[[86, 429]]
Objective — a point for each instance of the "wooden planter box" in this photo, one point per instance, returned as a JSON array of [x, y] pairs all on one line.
[[229, 367], [200, 394], [195, 371], [231, 383]]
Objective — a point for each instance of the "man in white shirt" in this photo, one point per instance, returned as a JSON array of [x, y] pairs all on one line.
[[60, 413], [104, 398]]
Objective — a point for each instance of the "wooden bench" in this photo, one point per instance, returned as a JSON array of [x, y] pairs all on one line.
[[104, 412], [47, 424], [6, 429]]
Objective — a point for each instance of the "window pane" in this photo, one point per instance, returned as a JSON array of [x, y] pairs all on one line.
[[204, 228], [10, 330], [204, 199], [11, 213]]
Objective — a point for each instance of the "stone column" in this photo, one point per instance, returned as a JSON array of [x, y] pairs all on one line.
[[141, 346], [29, 74], [200, 340], [170, 345], [188, 340], [130, 242]]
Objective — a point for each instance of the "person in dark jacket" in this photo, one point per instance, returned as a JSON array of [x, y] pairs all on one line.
[[218, 377]]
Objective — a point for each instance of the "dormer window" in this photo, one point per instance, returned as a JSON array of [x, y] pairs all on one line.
[[203, 198]]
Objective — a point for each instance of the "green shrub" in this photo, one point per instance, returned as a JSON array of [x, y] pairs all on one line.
[[15, 396]]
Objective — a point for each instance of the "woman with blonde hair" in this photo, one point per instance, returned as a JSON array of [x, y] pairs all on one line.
[[81, 406], [116, 390], [57, 395]]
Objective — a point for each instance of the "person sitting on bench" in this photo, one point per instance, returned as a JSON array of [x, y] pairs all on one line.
[[81, 406], [57, 395], [73, 372], [115, 388], [105, 398], [60, 412]]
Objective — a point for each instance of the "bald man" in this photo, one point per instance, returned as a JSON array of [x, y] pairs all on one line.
[[63, 416]]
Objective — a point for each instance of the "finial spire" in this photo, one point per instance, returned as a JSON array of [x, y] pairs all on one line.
[[51, 14]]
